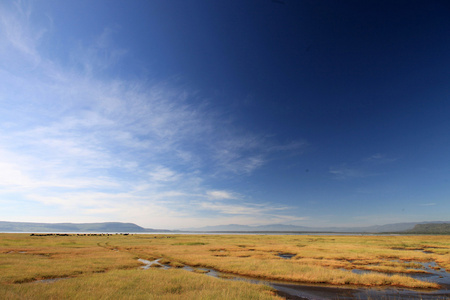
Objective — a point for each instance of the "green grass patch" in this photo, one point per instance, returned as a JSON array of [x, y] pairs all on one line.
[[189, 244]]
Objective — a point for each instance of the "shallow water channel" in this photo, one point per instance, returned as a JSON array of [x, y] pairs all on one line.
[[317, 292]]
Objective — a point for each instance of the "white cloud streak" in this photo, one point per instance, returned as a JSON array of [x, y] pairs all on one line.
[[343, 172], [241, 209], [219, 195], [360, 169]]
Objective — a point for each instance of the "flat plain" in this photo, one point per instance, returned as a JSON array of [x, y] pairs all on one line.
[[102, 266]]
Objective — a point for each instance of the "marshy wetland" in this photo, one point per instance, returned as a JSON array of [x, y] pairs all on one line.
[[148, 266]]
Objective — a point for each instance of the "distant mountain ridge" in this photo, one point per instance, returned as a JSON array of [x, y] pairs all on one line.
[[397, 227], [441, 228], [72, 227]]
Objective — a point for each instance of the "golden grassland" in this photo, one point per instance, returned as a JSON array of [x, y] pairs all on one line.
[[94, 270], [100, 266], [139, 284]]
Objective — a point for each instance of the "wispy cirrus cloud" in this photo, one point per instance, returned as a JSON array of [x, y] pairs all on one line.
[[379, 158], [18, 32], [246, 213], [242, 209], [219, 195], [109, 147], [360, 169], [345, 172]]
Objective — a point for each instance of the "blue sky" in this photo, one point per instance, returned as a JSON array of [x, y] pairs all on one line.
[[174, 114]]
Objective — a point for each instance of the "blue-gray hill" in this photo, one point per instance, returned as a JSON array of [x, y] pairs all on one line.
[[397, 227], [111, 227]]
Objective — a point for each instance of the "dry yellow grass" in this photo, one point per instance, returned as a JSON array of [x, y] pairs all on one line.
[[317, 259], [44, 258], [139, 284]]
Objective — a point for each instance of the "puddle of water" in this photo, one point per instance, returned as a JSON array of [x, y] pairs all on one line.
[[361, 272], [295, 291], [401, 294], [431, 272], [434, 274], [210, 272], [51, 280], [149, 264], [286, 255], [187, 268]]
